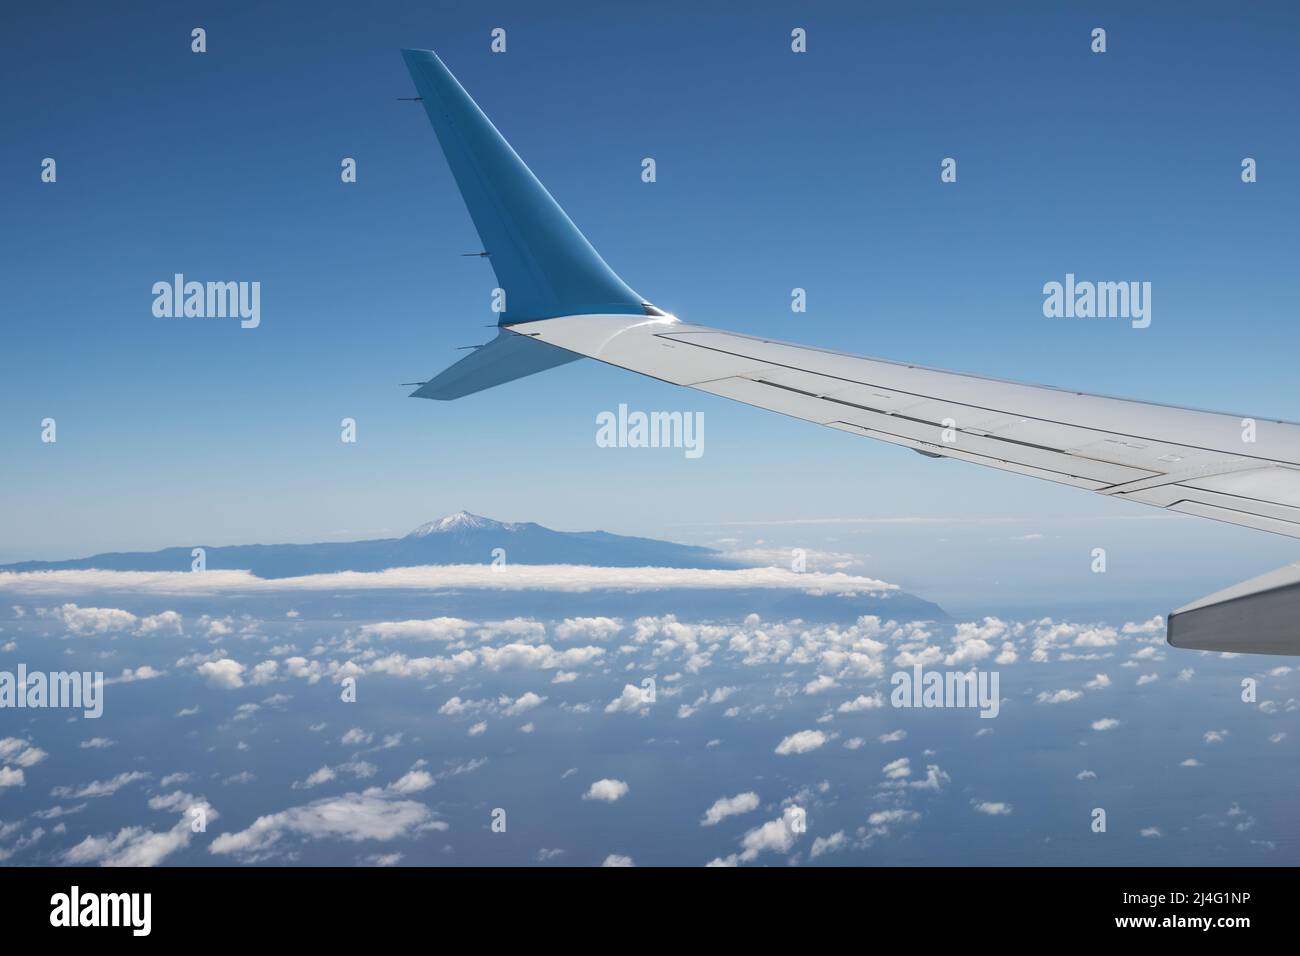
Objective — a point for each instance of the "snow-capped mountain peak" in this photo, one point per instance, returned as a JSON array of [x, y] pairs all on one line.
[[460, 521]]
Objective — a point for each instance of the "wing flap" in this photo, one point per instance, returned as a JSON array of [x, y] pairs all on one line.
[[1139, 422]]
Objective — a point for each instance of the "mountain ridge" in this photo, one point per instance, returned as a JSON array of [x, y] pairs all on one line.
[[466, 538], [458, 538]]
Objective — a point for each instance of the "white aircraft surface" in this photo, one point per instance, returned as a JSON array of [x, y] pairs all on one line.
[[563, 302]]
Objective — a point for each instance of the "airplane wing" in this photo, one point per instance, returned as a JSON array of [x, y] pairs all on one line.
[[1188, 461], [1233, 468]]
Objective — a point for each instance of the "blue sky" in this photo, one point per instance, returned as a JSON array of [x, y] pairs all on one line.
[[774, 171]]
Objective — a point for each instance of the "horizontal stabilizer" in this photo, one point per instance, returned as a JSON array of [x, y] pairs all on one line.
[[1259, 616], [507, 357]]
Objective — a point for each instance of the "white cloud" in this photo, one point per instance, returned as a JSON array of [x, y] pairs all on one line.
[[968, 649], [517, 577], [775, 836], [412, 782], [1106, 723], [264, 673], [860, 703], [215, 627], [166, 622], [801, 743], [86, 621], [935, 778], [1151, 627], [1096, 637], [21, 752], [588, 628], [131, 675], [375, 814], [631, 701], [456, 707], [356, 737], [101, 788], [317, 777], [526, 702], [994, 809], [836, 841], [431, 629], [537, 657], [1063, 696], [9, 777], [897, 769], [524, 628], [607, 790], [395, 665], [138, 846], [820, 684], [616, 859], [729, 806], [882, 820], [225, 673]]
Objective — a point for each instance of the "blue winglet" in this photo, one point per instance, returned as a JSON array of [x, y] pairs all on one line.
[[546, 267]]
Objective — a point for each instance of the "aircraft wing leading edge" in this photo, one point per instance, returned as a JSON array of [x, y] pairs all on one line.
[[1226, 467]]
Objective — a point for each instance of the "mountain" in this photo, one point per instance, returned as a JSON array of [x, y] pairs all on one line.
[[461, 538], [463, 521], [464, 538]]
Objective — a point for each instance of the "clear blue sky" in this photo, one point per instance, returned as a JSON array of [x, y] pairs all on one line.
[[775, 170]]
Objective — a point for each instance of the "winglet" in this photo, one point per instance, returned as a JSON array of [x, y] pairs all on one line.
[[545, 266]]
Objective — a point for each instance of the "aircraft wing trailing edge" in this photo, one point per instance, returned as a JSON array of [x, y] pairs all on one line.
[[1232, 468]]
